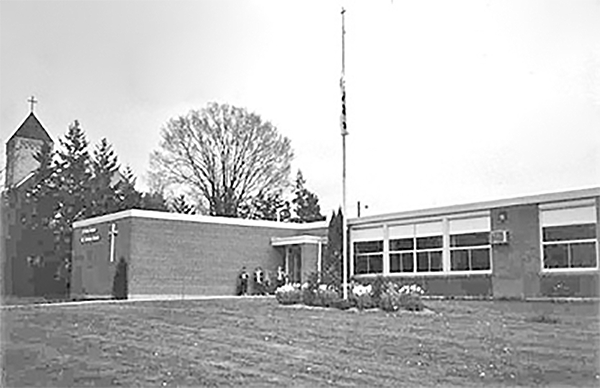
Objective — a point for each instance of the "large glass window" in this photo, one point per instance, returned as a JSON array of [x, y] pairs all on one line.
[[402, 258], [569, 246], [470, 251], [569, 235], [429, 253], [368, 257], [420, 254]]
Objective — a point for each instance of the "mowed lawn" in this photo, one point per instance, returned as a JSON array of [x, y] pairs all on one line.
[[256, 342]]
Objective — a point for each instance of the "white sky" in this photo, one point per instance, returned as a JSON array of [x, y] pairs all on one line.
[[448, 101]]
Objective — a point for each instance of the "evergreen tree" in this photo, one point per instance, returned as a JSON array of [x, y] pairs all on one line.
[[180, 205], [73, 177], [43, 193], [105, 168], [332, 261], [120, 280], [306, 203], [154, 201], [41, 198], [60, 195], [128, 196]]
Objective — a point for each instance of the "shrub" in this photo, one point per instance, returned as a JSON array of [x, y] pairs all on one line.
[[309, 289], [326, 296], [378, 285], [120, 289], [289, 294], [361, 296], [394, 298]]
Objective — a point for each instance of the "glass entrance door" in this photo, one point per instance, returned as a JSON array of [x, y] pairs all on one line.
[[294, 267]]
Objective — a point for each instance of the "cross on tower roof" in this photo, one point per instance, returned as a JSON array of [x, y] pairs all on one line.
[[32, 101]]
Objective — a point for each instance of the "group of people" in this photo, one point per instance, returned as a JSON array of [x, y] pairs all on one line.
[[261, 281]]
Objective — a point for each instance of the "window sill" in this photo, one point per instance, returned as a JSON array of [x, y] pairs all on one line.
[[426, 274]]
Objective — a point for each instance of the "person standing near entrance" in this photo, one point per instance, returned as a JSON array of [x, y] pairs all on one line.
[[259, 288], [280, 277], [243, 281]]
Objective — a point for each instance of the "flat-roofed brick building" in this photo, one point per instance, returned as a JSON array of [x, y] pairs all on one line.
[[526, 247], [179, 255]]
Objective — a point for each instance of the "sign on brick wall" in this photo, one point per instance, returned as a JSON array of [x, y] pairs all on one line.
[[89, 235]]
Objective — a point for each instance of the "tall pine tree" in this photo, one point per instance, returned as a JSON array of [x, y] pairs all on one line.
[[332, 261], [128, 196], [73, 177], [105, 168]]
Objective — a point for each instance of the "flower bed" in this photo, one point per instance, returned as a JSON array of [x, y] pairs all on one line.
[[385, 295], [289, 294]]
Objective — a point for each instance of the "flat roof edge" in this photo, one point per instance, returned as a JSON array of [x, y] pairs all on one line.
[[292, 240], [167, 216], [478, 206]]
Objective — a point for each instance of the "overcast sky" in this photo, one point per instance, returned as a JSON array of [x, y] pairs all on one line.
[[448, 101]]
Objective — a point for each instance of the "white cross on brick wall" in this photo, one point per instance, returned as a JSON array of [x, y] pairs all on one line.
[[112, 235]]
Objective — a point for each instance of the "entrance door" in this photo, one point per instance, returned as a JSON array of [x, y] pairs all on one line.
[[294, 268]]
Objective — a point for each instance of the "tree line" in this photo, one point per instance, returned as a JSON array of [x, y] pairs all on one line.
[[220, 160]]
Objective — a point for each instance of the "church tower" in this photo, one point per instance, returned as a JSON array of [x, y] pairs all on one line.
[[22, 147], [18, 243]]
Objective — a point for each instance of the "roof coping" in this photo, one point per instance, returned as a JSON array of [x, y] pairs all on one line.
[[158, 215], [478, 206]]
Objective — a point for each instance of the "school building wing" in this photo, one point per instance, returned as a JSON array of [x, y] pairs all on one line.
[[526, 247]]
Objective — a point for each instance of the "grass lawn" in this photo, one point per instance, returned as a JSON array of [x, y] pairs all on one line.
[[256, 342]]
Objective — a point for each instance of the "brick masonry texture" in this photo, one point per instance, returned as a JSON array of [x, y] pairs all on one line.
[[93, 272], [516, 265], [169, 257], [178, 257]]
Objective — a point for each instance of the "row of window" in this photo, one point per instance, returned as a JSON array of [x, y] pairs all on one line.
[[569, 241], [468, 252]]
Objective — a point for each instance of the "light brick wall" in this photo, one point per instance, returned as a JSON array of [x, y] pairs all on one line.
[[516, 265], [93, 273], [190, 258]]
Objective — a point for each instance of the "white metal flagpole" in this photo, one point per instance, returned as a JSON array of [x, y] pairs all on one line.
[[344, 131]]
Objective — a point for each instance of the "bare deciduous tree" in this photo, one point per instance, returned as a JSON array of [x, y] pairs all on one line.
[[225, 154]]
